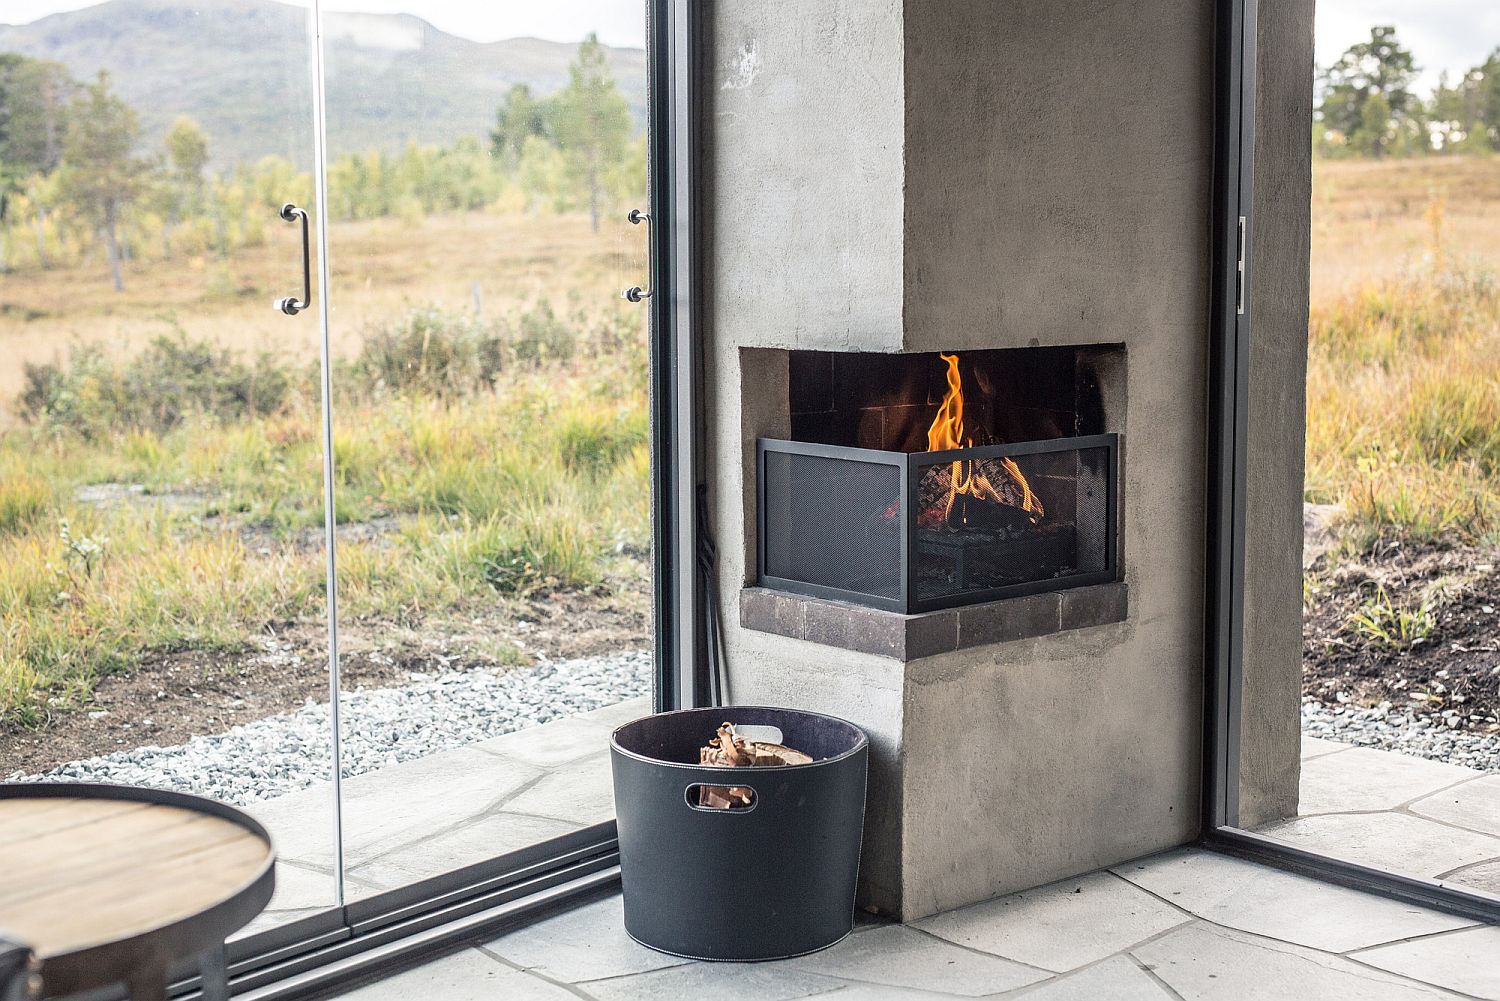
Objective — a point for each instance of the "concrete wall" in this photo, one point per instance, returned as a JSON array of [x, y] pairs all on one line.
[[1059, 182], [807, 214], [1057, 158], [802, 205], [1269, 721]]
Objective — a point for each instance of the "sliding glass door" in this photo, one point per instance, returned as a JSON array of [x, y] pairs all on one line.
[[167, 615], [490, 424], [162, 556], [1356, 724]]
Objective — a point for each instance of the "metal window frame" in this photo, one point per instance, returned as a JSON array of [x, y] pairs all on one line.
[[368, 937], [1232, 322]]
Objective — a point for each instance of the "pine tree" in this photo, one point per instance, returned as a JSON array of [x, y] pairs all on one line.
[[1381, 66], [592, 123], [101, 171]]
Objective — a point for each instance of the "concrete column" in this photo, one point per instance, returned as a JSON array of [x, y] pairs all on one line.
[[915, 175]]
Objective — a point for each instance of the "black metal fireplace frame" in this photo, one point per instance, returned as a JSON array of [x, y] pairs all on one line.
[[910, 465]]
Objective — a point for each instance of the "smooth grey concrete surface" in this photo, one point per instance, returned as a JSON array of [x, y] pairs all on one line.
[[1277, 299], [1156, 929], [1047, 195], [806, 242]]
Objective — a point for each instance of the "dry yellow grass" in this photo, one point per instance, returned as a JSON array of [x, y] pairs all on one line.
[[1371, 220], [379, 268], [1403, 398]]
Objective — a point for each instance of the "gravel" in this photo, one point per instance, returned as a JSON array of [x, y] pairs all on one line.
[[383, 726], [1386, 727]]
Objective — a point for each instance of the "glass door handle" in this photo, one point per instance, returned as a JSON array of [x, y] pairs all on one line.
[[635, 293], [291, 305]]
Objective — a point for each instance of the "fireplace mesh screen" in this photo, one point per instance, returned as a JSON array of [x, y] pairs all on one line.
[[915, 532], [829, 530], [1039, 517]]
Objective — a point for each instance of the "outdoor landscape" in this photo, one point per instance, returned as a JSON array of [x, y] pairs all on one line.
[[1401, 634], [161, 518], [161, 560]]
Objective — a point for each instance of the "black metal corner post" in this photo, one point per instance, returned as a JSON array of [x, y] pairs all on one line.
[[676, 359], [1229, 372]]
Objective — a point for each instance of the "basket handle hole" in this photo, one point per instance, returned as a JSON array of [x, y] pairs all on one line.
[[720, 799]]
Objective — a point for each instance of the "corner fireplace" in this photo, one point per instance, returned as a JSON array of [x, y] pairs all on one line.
[[929, 481]]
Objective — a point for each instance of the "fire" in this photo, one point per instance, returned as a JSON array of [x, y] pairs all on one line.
[[947, 431]]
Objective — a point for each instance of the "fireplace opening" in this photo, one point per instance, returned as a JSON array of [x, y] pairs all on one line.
[[926, 481]]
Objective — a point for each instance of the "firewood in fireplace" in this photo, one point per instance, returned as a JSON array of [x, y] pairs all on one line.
[[729, 750]]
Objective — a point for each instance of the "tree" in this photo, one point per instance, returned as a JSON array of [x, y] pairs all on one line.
[[34, 96], [181, 191], [1486, 77], [519, 118], [102, 173], [591, 122], [1381, 66]]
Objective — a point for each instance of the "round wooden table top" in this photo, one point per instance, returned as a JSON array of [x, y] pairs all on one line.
[[99, 880]]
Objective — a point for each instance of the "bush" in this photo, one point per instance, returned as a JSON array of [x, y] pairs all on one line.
[[429, 351], [172, 380]]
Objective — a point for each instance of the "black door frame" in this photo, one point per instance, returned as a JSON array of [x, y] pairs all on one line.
[[1233, 317]]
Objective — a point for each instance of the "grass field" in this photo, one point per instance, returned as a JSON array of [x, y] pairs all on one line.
[[165, 492], [1404, 347]]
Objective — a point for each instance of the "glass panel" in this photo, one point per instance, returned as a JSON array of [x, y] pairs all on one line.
[[1400, 713], [161, 541], [490, 422]]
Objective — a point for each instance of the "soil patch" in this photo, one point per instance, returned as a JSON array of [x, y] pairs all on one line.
[[1415, 625], [180, 694]]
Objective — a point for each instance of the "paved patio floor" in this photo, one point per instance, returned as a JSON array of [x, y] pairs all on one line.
[[1185, 925], [1398, 812]]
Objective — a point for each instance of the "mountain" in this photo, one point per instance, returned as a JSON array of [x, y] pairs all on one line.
[[241, 69]]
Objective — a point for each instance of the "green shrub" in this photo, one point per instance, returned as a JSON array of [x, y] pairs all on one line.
[[172, 380], [429, 350]]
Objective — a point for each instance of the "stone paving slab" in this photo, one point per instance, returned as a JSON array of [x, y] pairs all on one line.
[[394, 806], [1116, 979], [580, 793], [1118, 942], [470, 842], [469, 975], [1484, 876], [1204, 963], [1281, 905], [895, 956], [1474, 805], [1392, 841], [1364, 778], [1317, 747], [1061, 926], [1466, 961], [749, 981], [584, 943]]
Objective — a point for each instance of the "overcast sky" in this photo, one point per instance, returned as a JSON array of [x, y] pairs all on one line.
[[1451, 35], [618, 22], [1443, 34]]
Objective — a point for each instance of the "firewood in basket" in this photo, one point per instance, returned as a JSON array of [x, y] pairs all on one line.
[[729, 750]]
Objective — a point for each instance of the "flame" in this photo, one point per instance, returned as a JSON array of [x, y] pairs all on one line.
[[947, 431]]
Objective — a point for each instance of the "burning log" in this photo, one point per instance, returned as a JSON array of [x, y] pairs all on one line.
[[996, 480], [730, 750]]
